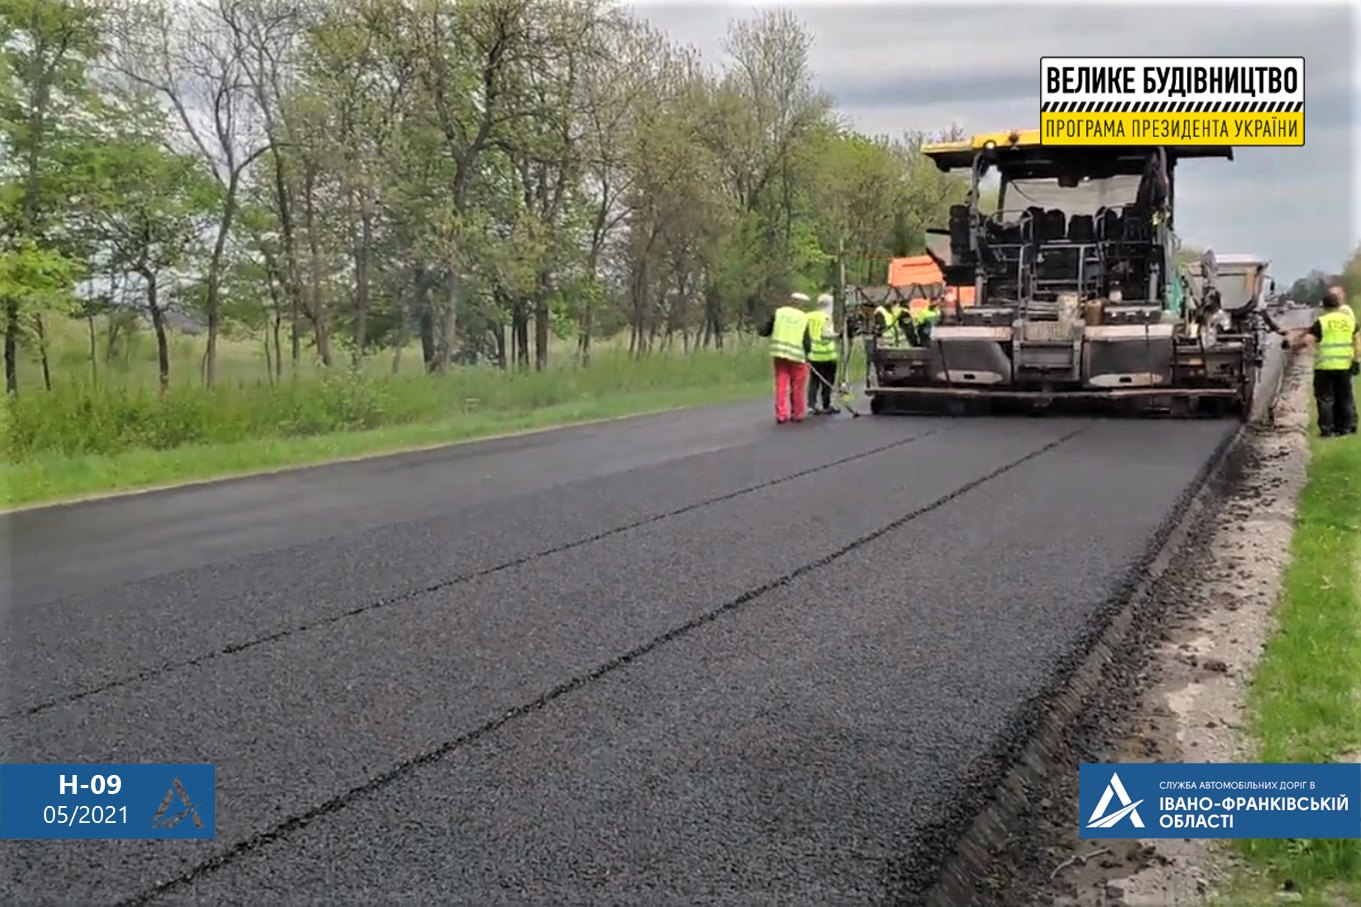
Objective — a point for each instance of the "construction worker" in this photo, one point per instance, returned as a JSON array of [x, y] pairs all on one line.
[[1336, 362], [925, 320], [790, 344], [888, 322], [822, 356]]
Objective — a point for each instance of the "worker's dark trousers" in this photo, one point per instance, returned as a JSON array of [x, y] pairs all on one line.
[[1336, 404], [828, 371]]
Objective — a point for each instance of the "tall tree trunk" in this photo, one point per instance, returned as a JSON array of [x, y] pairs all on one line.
[[361, 274], [269, 361], [12, 345], [519, 329], [426, 319], [584, 333], [448, 322], [713, 315], [42, 352], [210, 300], [292, 271], [317, 315], [541, 322], [153, 305], [278, 347], [405, 295], [94, 350]]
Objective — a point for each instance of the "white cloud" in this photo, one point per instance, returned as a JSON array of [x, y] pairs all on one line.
[[898, 66]]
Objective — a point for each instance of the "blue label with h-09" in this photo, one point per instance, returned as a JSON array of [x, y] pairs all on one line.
[[127, 801]]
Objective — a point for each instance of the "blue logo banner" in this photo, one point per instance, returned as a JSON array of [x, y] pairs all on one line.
[[1219, 800], [112, 801]]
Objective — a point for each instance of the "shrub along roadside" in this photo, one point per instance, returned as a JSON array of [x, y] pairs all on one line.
[[75, 442], [1305, 700]]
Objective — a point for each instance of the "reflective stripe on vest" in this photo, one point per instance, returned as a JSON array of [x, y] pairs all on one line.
[[1335, 349], [823, 350], [786, 339]]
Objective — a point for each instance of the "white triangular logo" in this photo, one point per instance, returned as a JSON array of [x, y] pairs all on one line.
[[1127, 808]]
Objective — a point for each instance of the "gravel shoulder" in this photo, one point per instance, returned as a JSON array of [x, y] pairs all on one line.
[[1178, 691]]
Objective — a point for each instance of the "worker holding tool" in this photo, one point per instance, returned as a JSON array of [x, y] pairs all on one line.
[[790, 344], [1336, 363], [822, 356]]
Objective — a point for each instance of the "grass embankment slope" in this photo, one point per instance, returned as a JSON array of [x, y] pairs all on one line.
[[1305, 700], [113, 431]]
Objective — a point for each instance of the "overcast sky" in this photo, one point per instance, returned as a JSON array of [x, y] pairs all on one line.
[[894, 66]]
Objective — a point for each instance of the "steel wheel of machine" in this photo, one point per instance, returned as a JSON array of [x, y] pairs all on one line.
[[876, 405]]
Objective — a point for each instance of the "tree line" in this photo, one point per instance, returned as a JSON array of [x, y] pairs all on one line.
[[1312, 288], [344, 178]]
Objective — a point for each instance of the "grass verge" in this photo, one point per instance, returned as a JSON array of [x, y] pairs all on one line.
[[50, 478], [1305, 700], [68, 446]]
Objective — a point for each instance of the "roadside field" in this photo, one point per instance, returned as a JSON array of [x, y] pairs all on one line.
[[1305, 699], [112, 431]]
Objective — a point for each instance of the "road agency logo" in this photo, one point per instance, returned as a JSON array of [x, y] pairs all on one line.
[[188, 810], [1129, 809]]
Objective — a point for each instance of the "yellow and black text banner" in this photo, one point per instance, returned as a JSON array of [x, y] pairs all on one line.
[[1172, 101]]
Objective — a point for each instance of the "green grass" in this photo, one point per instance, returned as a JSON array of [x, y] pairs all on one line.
[[120, 433], [52, 477], [1305, 701]]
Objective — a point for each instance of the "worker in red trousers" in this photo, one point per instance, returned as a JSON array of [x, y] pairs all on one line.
[[790, 344]]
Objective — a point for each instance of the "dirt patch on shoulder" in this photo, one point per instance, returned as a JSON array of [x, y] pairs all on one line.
[[1184, 694]]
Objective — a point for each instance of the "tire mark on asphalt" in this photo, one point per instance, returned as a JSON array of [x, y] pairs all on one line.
[[293, 823], [408, 595]]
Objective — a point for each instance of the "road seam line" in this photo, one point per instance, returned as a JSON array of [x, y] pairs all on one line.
[[340, 801], [411, 594]]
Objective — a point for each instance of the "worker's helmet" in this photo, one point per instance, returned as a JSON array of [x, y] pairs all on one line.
[[826, 303], [799, 299]]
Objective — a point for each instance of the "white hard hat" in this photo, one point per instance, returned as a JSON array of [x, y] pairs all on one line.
[[798, 297], [826, 299]]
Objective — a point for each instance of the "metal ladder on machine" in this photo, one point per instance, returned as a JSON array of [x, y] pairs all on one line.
[[1044, 347]]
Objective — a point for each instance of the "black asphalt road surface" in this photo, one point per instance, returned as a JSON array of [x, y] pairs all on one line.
[[682, 658]]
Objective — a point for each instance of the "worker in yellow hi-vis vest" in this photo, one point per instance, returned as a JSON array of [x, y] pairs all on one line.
[[822, 356], [924, 320], [1337, 353], [790, 344]]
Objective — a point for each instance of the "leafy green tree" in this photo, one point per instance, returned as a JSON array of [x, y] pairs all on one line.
[[151, 208], [46, 100]]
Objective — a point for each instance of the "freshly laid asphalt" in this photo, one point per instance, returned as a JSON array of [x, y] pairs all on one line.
[[681, 658]]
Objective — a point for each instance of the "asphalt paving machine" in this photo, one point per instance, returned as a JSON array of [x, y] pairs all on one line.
[[1079, 299]]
